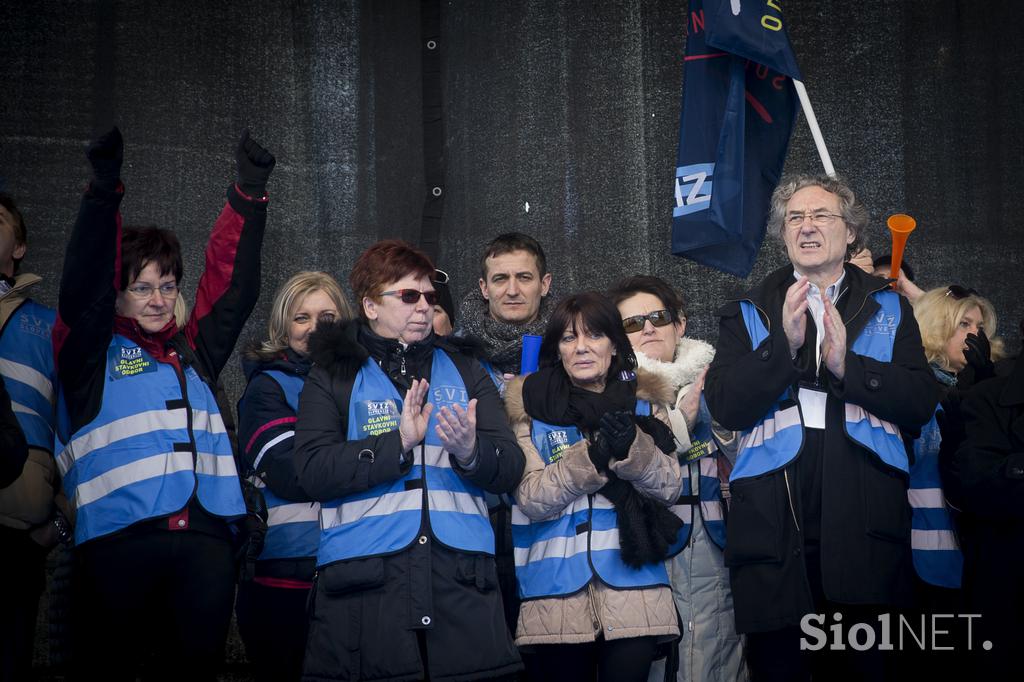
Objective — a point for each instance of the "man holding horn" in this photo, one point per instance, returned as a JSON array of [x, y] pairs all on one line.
[[820, 369]]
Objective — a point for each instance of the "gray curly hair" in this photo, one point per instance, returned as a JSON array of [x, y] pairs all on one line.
[[854, 214]]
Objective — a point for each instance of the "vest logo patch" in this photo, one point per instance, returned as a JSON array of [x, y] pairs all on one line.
[[34, 325], [446, 396], [376, 417], [882, 324], [698, 449], [129, 361], [557, 443]]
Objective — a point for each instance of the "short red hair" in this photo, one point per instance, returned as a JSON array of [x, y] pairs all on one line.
[[384, 262]]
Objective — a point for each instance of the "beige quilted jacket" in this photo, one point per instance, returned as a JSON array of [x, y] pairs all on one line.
[[546, 490]]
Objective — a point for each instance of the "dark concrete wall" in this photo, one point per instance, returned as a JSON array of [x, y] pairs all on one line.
[[572, 107]]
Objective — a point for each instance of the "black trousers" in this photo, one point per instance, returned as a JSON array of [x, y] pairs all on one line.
[[273, 624], [22, 578], [153, 602], [619, 660]]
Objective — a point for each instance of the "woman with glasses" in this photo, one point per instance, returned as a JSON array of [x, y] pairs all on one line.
[[271, 604], [953, 322], [148, 463], [654, 319], [591, 524], [399, 435]]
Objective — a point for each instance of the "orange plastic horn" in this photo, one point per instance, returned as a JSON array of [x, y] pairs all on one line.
[[900, 225]]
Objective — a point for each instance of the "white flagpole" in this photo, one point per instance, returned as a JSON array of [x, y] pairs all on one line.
[[819, 141]]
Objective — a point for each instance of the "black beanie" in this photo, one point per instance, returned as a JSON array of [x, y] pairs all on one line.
[[444, 299]]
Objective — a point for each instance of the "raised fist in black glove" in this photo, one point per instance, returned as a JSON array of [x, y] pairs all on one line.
[[106, 154], [254, 166], [979, 356], [619, 430]]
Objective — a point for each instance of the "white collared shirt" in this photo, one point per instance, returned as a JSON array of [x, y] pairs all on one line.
[[816, 306]]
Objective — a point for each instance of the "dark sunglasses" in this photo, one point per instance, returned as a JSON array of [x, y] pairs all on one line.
[[958, 292], [659, 318], [411, 296]]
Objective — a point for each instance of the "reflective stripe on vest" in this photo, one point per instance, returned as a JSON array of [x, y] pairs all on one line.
[[937, 556], [293, 528], [134, 460], [701, 461], [553, 557], [26, 363], [388, 517], [775, 440]]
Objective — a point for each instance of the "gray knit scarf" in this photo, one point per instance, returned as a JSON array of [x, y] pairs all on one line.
[[502, 341]]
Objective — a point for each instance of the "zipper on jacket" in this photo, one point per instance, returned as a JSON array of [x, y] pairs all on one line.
[[179, 371]]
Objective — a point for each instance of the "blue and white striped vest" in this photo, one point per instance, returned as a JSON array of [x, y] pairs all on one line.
[[388, 517], [293, 528], [560, 555], [702, 456], [937, 556], [26, 362], [775, 440], [156, 440]]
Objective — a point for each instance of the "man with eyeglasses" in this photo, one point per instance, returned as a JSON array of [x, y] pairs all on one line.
[[821, 369], [27, 506]]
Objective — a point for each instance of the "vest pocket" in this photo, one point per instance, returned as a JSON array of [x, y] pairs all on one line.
[[753, 534], [476, 570], [886, 509], [352, 576]]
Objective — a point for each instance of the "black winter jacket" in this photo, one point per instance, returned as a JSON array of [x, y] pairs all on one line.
[[864, 514], [264, 416], [985, 479], [373, 618]]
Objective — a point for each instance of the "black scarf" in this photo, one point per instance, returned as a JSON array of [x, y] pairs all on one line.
[[502, 341], [646, 528], [549, 395]]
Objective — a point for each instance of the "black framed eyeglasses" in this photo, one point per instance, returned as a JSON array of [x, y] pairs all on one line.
[[659, 318], [958, 292], [410, 296]]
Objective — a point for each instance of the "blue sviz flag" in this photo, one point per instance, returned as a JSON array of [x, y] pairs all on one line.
[[738, 112]]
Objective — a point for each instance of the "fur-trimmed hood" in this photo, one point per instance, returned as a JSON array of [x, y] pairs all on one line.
[[649, 386], [692, 356]]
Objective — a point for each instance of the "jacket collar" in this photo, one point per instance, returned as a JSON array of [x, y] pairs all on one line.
[[691, 357], [854, 302], [156, 344]]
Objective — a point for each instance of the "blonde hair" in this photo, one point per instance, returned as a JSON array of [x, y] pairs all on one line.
[[938, 313], [288, 297], [180, 311]]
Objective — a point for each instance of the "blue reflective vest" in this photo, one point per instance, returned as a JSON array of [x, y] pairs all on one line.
[[560, 555], [777, 438], [937, 556], [293, 528], [387, 518], [26, 362], [701, 459], [155, 441]]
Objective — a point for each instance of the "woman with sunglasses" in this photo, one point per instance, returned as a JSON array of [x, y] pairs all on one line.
[[148, 462], [654, 319], [590, 523], [271, 603], [399, 435], [953, 322]]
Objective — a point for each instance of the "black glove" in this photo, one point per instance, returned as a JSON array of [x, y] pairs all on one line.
[[659, 432], [599, 453], [619, 430], [106, 154], [979, 356], [254, 166]]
